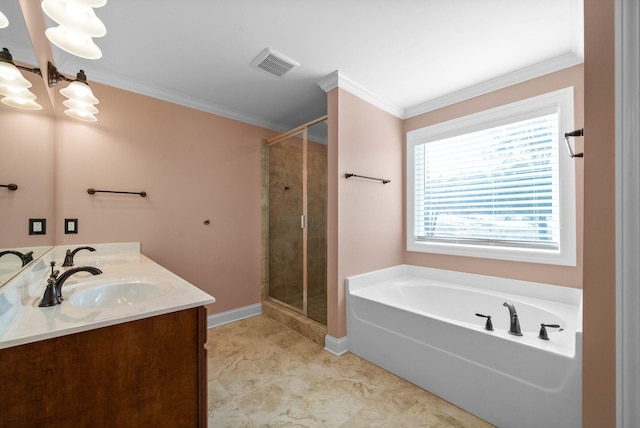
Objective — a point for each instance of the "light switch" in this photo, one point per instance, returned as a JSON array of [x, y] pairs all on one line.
[[70, 225], [37, 226]]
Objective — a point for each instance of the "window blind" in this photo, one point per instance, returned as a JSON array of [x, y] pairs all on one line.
[[497, 186]]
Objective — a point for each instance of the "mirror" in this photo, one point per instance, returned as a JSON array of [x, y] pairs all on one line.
[[12, 260], [26, 158]]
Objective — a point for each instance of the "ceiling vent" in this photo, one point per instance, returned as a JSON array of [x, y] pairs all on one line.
[[274, 63]]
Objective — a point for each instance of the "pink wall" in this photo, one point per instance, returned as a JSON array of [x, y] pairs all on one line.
[[365, 217], [551, 274], [26, 159], [599, 347], [193, 165]]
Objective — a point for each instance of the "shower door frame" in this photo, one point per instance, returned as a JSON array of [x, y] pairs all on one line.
[[302, 129]]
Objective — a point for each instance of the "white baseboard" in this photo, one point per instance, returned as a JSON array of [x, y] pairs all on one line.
[[337, 347], [222, 318]]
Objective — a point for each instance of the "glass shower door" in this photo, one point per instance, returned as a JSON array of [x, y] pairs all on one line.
[[286, 209], [317, 222]]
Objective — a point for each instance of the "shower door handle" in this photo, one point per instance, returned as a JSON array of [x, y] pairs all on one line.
[[303, 221]]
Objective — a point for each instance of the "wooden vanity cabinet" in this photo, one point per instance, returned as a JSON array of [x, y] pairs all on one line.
[[146, 373]]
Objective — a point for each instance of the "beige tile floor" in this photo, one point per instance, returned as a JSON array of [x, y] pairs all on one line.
[[262, 374]]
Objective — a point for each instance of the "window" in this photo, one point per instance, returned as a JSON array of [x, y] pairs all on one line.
[[496, 184]]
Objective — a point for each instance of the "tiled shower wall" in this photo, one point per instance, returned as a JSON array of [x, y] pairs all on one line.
[[285, 208]]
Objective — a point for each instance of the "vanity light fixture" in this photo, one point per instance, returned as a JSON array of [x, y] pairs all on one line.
[[77, 25], [81, 101], [4, 22], [14, 88]]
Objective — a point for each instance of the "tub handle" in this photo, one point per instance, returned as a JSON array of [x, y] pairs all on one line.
[[543, 330], [489, 325]]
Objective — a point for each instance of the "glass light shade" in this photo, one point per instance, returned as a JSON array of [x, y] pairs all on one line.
[[88, 117], [11, 76], [76, 15], [79, 92], [92, 3], [73, 42], [4, 22], [16, 92], [80, 106], [21, 103]]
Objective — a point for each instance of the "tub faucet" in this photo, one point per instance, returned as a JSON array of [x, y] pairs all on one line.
[[53, 292], [25, 258], [514, 324], [68, 258]]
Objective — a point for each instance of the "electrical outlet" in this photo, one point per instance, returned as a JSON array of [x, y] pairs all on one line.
[[70, 225], [37, 226]]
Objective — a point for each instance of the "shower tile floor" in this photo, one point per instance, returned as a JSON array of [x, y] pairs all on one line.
[[316, 307], [262, 374]]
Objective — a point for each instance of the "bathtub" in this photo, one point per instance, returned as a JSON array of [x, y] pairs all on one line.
[[420, 324]]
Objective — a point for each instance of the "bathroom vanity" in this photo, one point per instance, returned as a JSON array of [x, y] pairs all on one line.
[[124, 348]]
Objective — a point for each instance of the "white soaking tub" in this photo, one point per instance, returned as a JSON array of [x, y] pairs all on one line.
[[421, 324]]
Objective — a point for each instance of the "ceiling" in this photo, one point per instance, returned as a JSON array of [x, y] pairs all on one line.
[[406, 56]]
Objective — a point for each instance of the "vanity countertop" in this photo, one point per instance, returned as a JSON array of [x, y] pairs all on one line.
[[23, 321]]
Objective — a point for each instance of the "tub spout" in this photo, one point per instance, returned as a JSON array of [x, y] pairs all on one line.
[[514, 324]]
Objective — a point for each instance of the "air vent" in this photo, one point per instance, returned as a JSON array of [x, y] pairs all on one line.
[[274, 63]]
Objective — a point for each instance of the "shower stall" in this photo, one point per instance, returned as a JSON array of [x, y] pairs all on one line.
[[295, 220]]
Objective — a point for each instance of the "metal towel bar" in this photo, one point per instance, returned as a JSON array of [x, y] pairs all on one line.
[[94, 191], [384, 181], [10, 186]]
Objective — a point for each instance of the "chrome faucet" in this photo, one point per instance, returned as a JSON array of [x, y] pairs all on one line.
[[25, 258], [514, 325], [53, 293], [68, 258]]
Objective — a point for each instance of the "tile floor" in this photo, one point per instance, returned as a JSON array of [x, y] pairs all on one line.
[[262, 374]]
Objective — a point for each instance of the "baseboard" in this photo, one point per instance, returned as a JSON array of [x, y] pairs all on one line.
[[337, 347], [222, 318]]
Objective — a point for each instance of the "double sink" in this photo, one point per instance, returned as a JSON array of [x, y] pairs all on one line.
[[130, 287]]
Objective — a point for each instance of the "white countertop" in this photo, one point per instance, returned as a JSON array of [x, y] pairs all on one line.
[[23, 321]]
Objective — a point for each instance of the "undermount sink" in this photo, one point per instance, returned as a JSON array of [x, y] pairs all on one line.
[[117, 294]]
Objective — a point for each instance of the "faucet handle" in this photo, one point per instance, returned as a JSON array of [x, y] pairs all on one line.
[[543, 330], [54, 274], [489, 325]]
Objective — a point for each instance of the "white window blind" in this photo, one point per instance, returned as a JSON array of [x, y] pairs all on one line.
[[497, 186]]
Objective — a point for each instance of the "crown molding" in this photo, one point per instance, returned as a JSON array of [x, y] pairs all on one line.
[[339, 80], [540, 69], [332, 81], [176, 98]]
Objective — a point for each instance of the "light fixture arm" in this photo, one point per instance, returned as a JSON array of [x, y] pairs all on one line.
[[54, 76], [32, 70]]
